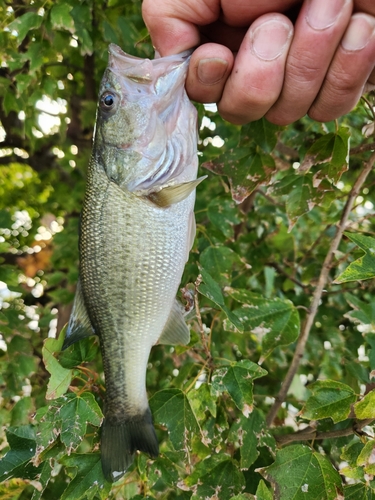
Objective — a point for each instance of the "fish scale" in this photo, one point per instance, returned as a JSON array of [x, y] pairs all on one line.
[[148, 295], [137, 227]]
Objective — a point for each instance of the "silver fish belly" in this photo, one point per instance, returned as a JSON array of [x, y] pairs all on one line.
[[137, 227]]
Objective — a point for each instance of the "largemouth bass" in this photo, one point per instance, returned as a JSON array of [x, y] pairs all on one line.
[[137, 227]]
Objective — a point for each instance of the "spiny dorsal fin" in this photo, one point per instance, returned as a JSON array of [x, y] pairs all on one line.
[[79, 326], [176, 331], [174, 194]]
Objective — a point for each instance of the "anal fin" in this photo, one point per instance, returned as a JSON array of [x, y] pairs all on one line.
[[79, 326], [176, 331]]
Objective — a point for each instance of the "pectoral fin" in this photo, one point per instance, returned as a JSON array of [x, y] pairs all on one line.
[[176, 331], [79, 326], [174, 194]]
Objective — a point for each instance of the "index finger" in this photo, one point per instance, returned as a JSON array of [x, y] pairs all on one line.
[[173, 25]]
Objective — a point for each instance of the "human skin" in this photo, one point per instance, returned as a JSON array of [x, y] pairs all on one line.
[[280, 59]]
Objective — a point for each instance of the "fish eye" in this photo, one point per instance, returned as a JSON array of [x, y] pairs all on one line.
[[108, 101]]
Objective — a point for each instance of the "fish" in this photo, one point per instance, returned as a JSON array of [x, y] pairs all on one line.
[[137, 227]]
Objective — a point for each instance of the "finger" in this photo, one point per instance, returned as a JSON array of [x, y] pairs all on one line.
[[349, 71], [318, 31], [240, 13], [209, 68], [173, 24], [258, 72]]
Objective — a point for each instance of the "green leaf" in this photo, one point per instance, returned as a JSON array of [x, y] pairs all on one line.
[[332, 151], [84, 351], [201, 401], [88, 481], [219, 262], [329, 399], [24, 24], [43, 479], [67, 417], [172, 409], [61, 18], [364, 267], [237, 380], [60, 377], [224, 214], [359, 492], [262, 132], [16, 462], [245, 170], [210, 289], [366, 407], [313, 476], [248, 434], [274, 321], [218, 476], [263, 493], [363, 313], [366, 457]]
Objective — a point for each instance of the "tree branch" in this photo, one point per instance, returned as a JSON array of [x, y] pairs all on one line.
[[362, 148], [310, 434], [323, 278]]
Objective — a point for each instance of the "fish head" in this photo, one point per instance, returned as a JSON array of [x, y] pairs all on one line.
[[142, 110]]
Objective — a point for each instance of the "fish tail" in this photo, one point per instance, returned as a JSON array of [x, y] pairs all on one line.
[[120, 440]]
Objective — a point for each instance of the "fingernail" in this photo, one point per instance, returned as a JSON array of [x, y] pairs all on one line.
[[321, 14], [211, 71], [270, 38], [359, 32]]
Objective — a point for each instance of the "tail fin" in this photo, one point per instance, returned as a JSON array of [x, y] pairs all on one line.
[[119, 442]]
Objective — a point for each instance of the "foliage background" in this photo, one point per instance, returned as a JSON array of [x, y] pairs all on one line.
[[275, 395]]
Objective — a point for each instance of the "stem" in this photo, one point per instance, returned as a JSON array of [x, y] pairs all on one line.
[[310, 434], [323, 278], [362, 148]]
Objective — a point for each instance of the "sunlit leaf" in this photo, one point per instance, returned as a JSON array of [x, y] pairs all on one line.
[[60, 377], [366, 407], [364, 267], [24, 23]]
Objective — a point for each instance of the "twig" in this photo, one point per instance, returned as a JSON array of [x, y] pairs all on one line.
[[310, 434], [362, 148], [300, 347], [280, 270]]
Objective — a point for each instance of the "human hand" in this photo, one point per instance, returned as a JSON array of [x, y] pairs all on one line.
[[252, 61]]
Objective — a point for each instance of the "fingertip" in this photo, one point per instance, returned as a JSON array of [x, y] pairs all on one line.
[[209, 69], [169, 34]]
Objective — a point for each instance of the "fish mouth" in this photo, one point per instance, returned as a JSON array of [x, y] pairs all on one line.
[[145, 71]]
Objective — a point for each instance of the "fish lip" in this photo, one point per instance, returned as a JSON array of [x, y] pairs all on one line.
[[143, 70]]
